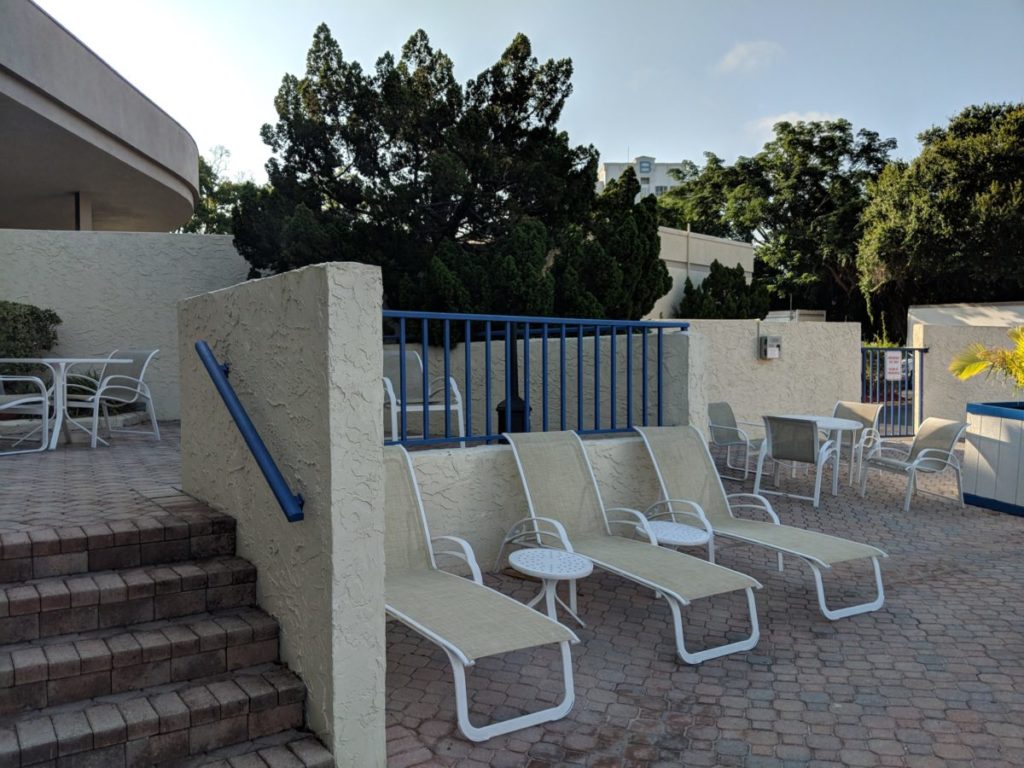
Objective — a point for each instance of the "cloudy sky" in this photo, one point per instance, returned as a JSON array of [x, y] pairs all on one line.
[[665, 78]]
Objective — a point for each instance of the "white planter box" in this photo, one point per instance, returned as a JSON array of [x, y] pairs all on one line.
[[994, 457]]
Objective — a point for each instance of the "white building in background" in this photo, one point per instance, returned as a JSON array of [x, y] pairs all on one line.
[[654, 177], [689, 255]]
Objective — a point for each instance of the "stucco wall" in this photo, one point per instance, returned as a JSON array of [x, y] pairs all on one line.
[[945, 395], [477, 494], [118, 290], [820, 364], [305, 355]]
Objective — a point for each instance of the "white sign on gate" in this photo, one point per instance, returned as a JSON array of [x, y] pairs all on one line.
[[893, 366]]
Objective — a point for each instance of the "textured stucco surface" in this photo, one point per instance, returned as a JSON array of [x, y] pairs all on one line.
[[118, 290], [820, 364], [945, 395], [476, 493], [305, 356]]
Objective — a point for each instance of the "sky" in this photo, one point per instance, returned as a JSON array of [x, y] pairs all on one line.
[[670, 79]]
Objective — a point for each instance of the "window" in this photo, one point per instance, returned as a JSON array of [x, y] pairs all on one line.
[[645, 181], [660, 189]]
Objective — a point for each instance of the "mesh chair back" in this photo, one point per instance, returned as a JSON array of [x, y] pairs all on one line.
[[866, 413], [791, 439], [413, 374], [406, 537], [557, 477], [686, 470], [721, 415], [136, 369], [935, 433]]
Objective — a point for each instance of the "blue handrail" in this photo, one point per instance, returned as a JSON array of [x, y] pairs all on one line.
[[291, 503]]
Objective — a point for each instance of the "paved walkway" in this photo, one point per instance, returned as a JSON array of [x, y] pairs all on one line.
[[936, 678]]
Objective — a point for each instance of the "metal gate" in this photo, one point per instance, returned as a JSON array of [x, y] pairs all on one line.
[[894, 377]]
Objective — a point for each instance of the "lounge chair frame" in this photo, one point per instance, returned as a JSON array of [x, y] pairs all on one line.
[[745, 501], [631, 519], [461, 551]]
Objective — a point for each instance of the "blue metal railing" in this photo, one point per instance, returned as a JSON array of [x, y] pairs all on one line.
[[459, 395], [291, 503], [894, 377]]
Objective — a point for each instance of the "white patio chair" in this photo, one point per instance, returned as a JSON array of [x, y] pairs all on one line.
[[466, 619], [725, 432], [686, 472], [795, 441], [855, 445], [34, 403], [931, 452], [118, 384], [415, 402]]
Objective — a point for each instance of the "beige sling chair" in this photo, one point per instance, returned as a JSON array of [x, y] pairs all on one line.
[[565, 506], [686, 472], [468, 620], [932, 451]]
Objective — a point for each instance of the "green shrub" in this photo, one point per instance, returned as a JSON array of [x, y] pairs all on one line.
[[25, 330]]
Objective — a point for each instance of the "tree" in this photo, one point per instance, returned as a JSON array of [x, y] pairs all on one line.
[[949, 226], [217, 196], [800, 199], [724, 294], [463, 194]]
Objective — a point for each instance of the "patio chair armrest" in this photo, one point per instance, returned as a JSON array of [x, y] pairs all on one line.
[[34, 381], [633, 518], [532, 527], [437, 395], [827, 447], [463, 552], [741, 435], [929, 455], [757, 424], [696, 511], [760, 502], [868, 435], [389, 390]]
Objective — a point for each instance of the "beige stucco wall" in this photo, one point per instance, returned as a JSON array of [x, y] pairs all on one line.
[[820, 364], [477, 494], [945, 395], [305, 355], [117, 290]]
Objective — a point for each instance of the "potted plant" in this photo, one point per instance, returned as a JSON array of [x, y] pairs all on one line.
[[994, 455]]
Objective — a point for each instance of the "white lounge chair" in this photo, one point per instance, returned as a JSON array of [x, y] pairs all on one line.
[[465, 618], [795, 441], [686, 471], [931, 452], [33, 403], [565, 502], [415, 401]]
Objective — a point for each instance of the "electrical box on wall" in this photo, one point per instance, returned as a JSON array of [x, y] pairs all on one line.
[[769, 347]]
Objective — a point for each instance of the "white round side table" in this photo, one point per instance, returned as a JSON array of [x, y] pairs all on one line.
[[552, 566], [672, 534]]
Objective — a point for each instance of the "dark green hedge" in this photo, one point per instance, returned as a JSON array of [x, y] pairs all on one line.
[[26, 330]]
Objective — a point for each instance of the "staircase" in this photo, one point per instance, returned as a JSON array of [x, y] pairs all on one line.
[[139, 643]]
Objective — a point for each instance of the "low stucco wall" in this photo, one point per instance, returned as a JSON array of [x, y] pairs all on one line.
[[477, 493], [118, 290], [820, 364], [945, 395], [305, 355]]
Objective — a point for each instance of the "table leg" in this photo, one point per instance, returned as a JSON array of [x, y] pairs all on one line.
[[550, 597], [58, 403]]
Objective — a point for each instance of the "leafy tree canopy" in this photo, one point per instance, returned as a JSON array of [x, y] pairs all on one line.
[[949, 226], [800, 199], [723, 295], [468, 196], [217, 196]]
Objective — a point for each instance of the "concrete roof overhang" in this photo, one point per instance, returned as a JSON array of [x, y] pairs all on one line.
[[70, 124]]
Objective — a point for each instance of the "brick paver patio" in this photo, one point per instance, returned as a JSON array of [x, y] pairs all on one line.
[[935, 678]]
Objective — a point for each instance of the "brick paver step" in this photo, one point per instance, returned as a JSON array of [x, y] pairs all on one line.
[[179, 533], [66, 668], [61, 605], [164, 725], [288, 749]]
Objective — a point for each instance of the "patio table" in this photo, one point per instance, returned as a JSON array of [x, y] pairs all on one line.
[[552, 566], [832, 424], [59, 366]]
